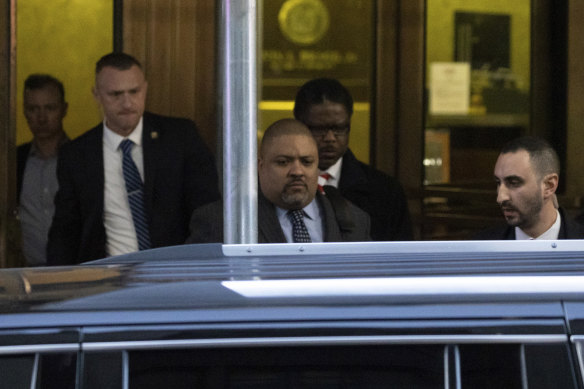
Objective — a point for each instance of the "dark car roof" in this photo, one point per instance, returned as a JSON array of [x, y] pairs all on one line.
[[227, 283]]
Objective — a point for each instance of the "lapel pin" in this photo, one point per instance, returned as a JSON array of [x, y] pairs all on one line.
[[154, 135]]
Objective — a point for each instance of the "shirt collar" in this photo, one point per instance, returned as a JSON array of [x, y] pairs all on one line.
[[335, 169], [113, 140], [34, 152], [551, 234], [310, 211], [335, 174]]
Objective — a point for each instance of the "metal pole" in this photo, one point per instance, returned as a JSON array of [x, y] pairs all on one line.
[[239, 119]]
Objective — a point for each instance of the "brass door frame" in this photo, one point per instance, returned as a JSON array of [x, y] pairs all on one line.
[[398, 112], [7, 125], [575, 102], [398, 109]]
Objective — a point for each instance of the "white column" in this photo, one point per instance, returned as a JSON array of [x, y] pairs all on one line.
[[238, 107]]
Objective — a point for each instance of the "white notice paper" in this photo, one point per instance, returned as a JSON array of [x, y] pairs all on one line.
[[449, 88]]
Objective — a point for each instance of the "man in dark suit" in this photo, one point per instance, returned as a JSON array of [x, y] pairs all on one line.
[[527, 176], [44, 108], [326, 106], [160, 161], [288, 179]]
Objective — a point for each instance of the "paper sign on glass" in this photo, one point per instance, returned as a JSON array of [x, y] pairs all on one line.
[[449, 88]]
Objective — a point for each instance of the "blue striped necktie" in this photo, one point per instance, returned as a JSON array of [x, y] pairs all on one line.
[[299, 231], [135, 190]]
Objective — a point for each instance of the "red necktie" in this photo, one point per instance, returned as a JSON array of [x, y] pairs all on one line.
[[326, 176]]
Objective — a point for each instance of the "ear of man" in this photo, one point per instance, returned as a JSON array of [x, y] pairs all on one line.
[[550, 185]]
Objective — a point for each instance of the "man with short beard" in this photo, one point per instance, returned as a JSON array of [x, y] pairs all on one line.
[[288, 180], [527, 176]]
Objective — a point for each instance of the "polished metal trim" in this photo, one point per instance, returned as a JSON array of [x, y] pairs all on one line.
[[125, 370], [578, 340], [409, 286], [39, 348], [238, 106], [457, 367], [34, 373], [421, 247], [322, 341], [455, 351], [446, 368], [523, 360]]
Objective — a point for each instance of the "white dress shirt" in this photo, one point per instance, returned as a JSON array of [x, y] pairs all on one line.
[[335, 172], [117, 216]]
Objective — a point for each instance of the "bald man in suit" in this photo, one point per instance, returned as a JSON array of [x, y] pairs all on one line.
[[288, 178]]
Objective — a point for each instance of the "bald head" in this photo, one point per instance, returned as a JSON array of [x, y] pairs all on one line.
[[284, 127], [288, 164]]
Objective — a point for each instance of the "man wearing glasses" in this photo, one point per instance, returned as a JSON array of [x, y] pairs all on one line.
[[326, 106]]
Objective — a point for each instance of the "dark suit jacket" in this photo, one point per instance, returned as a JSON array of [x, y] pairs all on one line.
[[568, 230], [207, 223], [180, 175], [21, 157], [580, 218], [378, 194]]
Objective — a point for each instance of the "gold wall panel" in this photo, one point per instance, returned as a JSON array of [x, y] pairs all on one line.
[[306, 39], [175, 41], [440, 31], [63, 38]]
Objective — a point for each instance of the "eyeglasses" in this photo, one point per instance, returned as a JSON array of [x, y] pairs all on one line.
[[321, 131]]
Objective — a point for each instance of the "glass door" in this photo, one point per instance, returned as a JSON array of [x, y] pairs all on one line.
[[307, 39], [478, 78]]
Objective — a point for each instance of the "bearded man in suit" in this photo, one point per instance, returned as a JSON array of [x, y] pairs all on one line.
[[527, 173], [288, 180]]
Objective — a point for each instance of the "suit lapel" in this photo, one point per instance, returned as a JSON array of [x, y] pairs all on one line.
[[510, 234], [93, 155], [352, 176], [21, 158], [269, 229], [150, 151], [563, 233], [330, 225]]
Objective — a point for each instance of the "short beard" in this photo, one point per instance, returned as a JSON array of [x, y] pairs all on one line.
[[530, 216], [295, 200]]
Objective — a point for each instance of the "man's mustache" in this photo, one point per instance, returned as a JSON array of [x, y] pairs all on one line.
[[296, 181], [507, 206]]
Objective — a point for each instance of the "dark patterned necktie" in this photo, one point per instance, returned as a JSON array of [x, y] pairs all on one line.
[[135, 190], [299, 232]]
